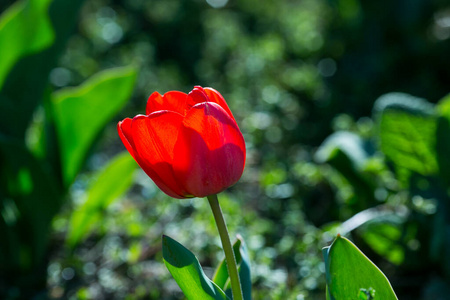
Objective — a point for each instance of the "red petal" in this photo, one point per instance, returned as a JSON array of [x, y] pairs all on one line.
[[216, 97], [210, 150], [173, 101], [200, 95], [124, 129], [196, 96], [153, 139]]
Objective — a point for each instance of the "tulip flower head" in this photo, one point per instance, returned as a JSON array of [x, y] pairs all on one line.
[[189, 144]]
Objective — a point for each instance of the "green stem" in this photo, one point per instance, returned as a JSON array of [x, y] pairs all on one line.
[[227, 248]]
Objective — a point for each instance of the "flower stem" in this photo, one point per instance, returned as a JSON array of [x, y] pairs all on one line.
[[227, 248]]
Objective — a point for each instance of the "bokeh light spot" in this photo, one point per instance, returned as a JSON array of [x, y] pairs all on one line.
[[217, 3]]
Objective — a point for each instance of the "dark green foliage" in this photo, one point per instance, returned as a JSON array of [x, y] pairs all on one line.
[[408, 226], [34, 181], [301, 78]]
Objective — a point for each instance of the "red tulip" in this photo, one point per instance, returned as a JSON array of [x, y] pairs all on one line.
[[189, 145]]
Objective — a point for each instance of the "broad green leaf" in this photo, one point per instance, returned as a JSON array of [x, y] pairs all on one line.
[[349, 143], [26, 84], [443, 138], [384, 239], [351, 275], [345, 151], [407, 128], [24, 28], [111, 182], [380, 228], [31, 193], [82, 112], [221, 277], [443, 106], [187, 272]]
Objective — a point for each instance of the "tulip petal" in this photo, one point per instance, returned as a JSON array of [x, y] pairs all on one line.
[[210, 150], [124, 129], [196, 96], [172, 101], [199, 95], [216, 97], [153, 140]]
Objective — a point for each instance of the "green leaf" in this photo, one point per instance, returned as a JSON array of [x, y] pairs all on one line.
[[187, 272], [112, 181], [347, 142], [443, 138], [384, 239], [221, 277], [349, 272], [443, 106], [380, 228], [407, 128], [24, 28], [346, 152], [26, 85], [82, 112]]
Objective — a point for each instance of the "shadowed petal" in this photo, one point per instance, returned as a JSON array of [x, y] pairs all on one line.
[[200, 95], [196, 96], [216, 97], [153, 139], [210, 150], [173, 101]]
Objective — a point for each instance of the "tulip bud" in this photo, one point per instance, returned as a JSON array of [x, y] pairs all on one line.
[[189, 144]]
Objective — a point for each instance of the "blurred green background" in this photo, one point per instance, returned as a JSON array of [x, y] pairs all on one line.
[[343, 105]]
